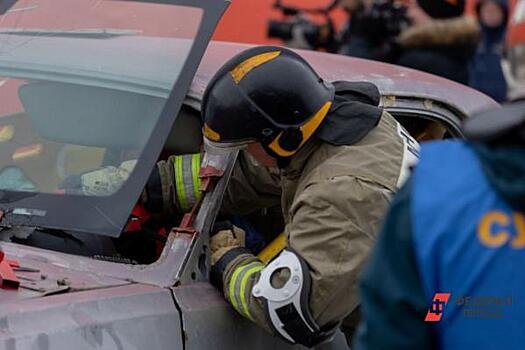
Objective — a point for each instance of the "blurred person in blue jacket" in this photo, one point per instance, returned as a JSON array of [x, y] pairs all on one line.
[[485, 69], [446, 270]]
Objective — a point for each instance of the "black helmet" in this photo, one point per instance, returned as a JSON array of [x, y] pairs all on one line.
[[265, 94]]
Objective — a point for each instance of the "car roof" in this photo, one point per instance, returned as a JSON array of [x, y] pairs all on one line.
[[390, 79], [25, 62]]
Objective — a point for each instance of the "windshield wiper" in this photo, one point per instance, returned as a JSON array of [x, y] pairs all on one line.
[[102, 33], [24, 232]]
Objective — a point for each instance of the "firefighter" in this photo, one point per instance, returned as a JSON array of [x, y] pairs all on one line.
[[331, 157], [440, 39], [325, 152], [450, 245]]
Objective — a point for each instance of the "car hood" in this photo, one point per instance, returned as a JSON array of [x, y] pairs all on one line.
[[43, 273]]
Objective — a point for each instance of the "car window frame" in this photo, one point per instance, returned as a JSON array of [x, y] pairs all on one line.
[[426, 108]]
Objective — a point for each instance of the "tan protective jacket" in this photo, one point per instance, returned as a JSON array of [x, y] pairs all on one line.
[[333, 199]]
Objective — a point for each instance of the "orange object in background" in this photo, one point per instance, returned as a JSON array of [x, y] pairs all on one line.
[[516, 33], [246, 21]]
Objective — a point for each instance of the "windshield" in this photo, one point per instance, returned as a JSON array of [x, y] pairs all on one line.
[[84, 91], [83, 88]]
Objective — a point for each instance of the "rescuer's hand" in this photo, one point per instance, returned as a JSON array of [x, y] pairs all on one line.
[[225, 237]]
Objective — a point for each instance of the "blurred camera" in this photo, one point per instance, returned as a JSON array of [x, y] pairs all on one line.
[[300, 29], [299, 32], [385, 19]]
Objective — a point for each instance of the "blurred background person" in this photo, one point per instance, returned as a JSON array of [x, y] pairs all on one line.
[[372, 28], [428, 35], [308, 27], [440, 39], [370, 31], [485, 69], [514, 67], [352, 44]]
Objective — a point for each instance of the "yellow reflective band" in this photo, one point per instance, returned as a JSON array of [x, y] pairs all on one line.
[[210, 134], [6, 133], [235, 284], [179, 183], [195, 169], [519, 240], [244, 282], [307, 129], [231, 292], [28, 151], [239, 72]]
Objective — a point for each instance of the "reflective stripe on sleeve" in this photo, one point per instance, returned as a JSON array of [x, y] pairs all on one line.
[[179, 183], [195, 169], [187, 181], [244, 282], [237, 286], [187, 176]]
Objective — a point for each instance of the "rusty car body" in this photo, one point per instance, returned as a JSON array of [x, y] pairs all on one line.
[[67, 300]]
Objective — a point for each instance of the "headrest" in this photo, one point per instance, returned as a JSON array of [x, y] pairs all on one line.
[[90, 116]]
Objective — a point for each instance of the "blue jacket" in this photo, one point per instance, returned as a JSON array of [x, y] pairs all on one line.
[[457, 228]]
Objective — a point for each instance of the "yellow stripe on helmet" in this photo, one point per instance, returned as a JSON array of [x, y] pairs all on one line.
[[211, 134], [307, 129], [239, 72]]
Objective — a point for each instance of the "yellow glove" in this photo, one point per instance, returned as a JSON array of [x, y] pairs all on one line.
[[226, 238]]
